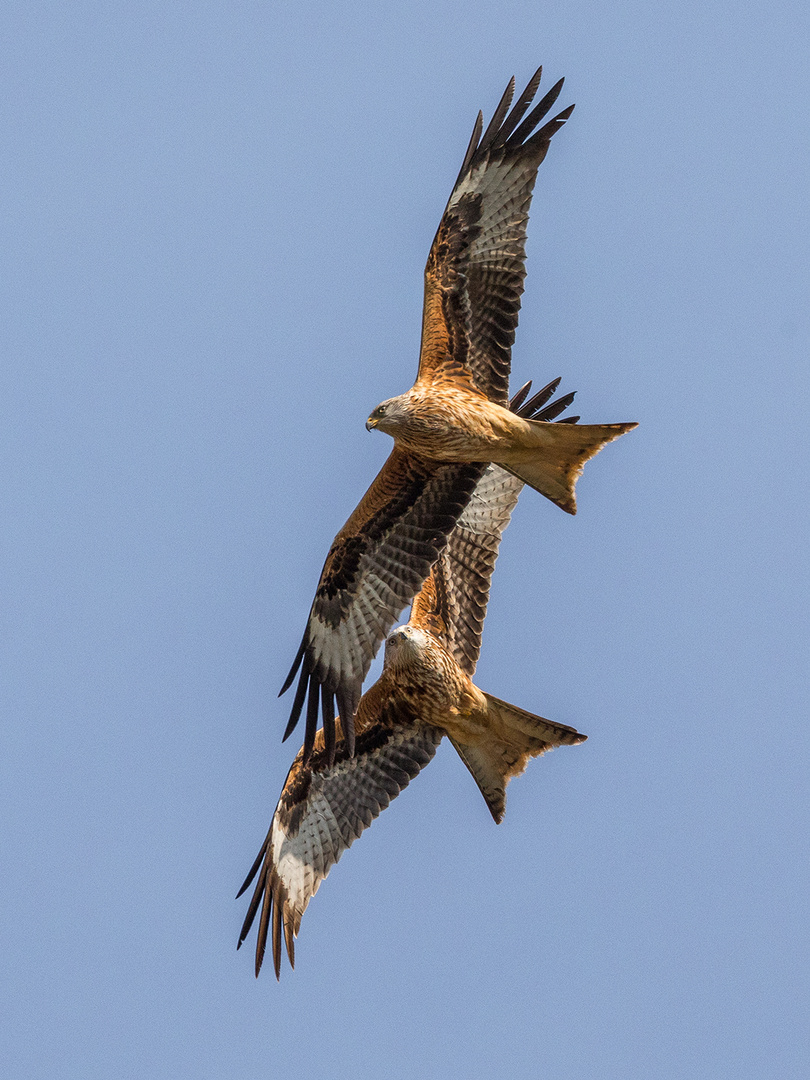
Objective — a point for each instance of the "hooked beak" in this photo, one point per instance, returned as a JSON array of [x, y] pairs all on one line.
[[370, 424]]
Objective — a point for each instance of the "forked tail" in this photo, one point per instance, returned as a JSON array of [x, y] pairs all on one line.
[[514, 736], [554, 464]]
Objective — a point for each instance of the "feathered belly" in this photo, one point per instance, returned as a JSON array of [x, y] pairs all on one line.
[[442, 696], [455, 432], [451, 446]]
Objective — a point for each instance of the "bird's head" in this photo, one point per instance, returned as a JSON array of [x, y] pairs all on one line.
[[404, 645], [388, 417]]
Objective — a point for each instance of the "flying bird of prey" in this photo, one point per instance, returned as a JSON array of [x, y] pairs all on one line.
[[424, 693], [451, 423]]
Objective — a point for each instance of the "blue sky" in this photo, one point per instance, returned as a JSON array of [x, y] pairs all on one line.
[[215, 222]]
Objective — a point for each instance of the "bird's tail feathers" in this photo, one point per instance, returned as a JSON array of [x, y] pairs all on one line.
[[554, 463], [515, 736]]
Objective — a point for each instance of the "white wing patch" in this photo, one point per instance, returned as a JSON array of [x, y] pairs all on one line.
[[338, 805]]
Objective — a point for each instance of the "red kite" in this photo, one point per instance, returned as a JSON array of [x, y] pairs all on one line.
[[451, 423], [425, 692]]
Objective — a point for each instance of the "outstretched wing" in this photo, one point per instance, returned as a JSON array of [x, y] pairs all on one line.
[[324, 808], [376, 565], [473, 283], [475, 270], [452, 604]]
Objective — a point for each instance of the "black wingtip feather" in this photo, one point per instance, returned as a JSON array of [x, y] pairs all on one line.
[[537, 409], [517, 113], [556, 407], [298, 704], [505, 131], [328, 710], [299, 656], [251, 875], [535, 116], [277, 939], [259, 893], [346, 707], [289, 941], [519, 397], [542, 137], [472, 146], [541, 397], [261, 935], [313, 700], [498, 117]]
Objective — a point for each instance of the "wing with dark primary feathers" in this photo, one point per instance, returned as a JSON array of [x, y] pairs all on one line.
[[475, 270], [473, 282], [452, 604], [324, 808], [330, 798], [376, 565]]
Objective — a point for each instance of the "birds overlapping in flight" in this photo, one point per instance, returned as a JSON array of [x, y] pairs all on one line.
[[427, 532]]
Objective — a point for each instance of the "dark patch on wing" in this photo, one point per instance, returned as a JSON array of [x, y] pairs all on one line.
[[377, 563], [343, 563], [476, 263], [457, 230], [332, 804]]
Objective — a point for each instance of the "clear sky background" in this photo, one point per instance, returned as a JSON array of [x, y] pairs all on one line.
[[216, 217]]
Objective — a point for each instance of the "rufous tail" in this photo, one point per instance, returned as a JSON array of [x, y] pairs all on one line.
[[514, 737], [554, 464]]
